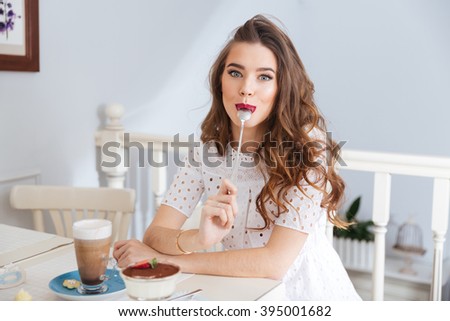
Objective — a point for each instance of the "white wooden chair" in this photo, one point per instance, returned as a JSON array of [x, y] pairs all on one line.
[[67, 204]]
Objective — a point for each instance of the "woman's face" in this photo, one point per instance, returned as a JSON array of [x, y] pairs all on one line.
[[249, 77]]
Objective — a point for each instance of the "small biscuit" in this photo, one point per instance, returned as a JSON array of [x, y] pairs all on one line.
[[71, 284]]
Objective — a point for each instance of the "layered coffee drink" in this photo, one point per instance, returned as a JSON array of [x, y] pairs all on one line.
[[92, 239], [92, 259]]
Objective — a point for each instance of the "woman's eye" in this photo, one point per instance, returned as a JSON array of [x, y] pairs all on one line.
[[265, 77], [234, 73]]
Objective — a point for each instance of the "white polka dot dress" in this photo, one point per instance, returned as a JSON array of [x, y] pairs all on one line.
[[317, 273]]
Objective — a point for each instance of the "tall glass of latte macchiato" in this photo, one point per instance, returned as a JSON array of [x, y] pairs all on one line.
[[92, 239]]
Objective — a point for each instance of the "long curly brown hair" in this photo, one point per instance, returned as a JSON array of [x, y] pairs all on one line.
[[293, 116]]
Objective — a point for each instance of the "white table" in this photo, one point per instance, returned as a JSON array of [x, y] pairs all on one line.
[[28, 246], [41, 268]]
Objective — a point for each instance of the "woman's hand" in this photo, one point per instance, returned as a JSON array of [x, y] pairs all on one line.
[[127, 252], [218, 215]]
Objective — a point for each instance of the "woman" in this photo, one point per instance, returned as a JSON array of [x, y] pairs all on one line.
[[269, 218]]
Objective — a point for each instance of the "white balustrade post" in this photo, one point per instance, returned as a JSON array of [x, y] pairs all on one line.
[[159, 177], [111, 143], [380, 217], [439, 225]]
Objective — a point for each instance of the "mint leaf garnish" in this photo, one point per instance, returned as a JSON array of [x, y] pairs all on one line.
[[154, 263]]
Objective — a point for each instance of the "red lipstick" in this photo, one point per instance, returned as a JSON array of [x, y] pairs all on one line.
[[245, 106]]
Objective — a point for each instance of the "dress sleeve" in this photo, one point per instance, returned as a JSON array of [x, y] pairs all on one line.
[[303, 210], [187, 186]]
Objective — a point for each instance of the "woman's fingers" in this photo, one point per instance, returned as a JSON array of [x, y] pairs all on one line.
[[131, 251], [228, 200], [230, 216], [221, 213], [226, 214], [222, 210], [227, 194], [227, 188], [120, 249]]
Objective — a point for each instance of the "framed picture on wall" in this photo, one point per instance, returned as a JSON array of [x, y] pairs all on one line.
[[19, 35]]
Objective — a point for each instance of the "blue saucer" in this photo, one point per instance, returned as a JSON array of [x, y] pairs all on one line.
[[115, 286]]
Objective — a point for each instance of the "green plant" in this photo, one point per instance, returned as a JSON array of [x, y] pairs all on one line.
[[357, 230]]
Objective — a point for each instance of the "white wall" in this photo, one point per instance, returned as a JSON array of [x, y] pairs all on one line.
[[381, 71]]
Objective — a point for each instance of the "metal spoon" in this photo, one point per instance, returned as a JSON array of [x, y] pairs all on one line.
[[244, 115], [184, 295]]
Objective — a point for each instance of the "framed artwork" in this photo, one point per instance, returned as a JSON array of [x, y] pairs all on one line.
[[19, 35]]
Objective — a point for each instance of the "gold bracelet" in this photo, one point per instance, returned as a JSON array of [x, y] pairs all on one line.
[[177, 243]]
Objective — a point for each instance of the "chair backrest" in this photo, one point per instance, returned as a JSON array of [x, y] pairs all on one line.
[[67, 204]]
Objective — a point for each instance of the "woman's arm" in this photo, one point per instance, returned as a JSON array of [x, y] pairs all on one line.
[[160, 241], [271, 261], [164, 229], [216, 220]]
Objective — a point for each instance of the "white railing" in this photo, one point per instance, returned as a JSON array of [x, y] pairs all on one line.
[[383, 165]]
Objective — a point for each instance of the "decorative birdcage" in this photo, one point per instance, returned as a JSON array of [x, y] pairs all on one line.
[[409, 244]]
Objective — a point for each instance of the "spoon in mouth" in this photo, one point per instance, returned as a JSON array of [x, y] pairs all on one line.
[[244, 114]]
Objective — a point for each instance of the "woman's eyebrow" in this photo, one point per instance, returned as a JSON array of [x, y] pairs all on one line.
[[266, 69], [233, 64]]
